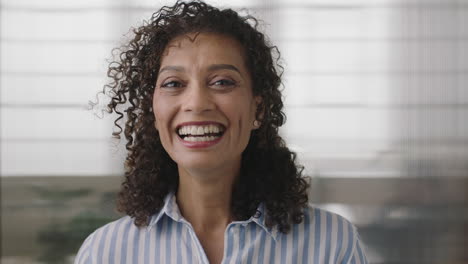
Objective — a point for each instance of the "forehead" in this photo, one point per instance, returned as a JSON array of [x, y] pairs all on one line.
[[202, 48]]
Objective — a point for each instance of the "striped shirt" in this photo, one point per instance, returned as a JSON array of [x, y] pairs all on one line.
[[322, 237]]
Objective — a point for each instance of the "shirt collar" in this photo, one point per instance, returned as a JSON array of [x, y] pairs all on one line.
[[171, 209], [260, 219]]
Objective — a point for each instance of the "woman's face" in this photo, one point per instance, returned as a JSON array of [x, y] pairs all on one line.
[[203, 102]]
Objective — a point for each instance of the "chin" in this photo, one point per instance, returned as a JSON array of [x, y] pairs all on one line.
[[198, 163]]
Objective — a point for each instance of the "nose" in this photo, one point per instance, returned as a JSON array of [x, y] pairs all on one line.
[[198, 99]]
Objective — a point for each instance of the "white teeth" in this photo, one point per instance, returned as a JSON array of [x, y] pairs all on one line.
[[200, 139], [199, 130]]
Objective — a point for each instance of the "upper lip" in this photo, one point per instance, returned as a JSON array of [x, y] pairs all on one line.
[[199, 123]]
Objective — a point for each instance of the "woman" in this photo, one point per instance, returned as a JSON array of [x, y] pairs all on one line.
[[208, 179]]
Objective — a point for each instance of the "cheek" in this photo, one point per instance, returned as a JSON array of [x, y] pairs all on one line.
[[245, 116], [156, 115], [161, 125], [159, 115], [156, 122], [251, 113], [164, 113], [160, 122]]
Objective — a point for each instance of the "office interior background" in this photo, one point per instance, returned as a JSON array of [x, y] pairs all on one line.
[[376, 96]]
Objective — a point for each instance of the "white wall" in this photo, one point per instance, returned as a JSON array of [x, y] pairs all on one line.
[[355, 81]]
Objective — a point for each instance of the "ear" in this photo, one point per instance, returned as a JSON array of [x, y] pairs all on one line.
[[258, 114], [259, 108]]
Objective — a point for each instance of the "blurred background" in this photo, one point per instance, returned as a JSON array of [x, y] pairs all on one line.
[[376, 95]]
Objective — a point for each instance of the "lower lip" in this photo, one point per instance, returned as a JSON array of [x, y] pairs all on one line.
[[200, 144]]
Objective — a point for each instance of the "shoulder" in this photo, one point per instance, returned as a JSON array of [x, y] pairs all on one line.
[[332, 237], [323, 219], [98, 241]]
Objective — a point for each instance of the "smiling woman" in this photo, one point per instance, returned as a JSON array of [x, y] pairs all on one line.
[[208, 179], [204, 84]]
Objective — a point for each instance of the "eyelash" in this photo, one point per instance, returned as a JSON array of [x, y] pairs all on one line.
[[166, 85], [227, 83]]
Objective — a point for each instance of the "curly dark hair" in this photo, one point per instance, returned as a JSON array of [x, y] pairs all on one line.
[[269, 172]]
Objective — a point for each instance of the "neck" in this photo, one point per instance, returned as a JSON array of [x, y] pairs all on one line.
[[204, 198]]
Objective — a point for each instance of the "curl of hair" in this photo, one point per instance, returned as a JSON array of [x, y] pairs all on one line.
[[269, 172]]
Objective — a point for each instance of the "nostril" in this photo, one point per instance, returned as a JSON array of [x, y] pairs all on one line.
[[198, 102]]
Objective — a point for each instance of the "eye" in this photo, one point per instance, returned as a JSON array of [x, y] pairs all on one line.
[[224, 82], [171, 84]]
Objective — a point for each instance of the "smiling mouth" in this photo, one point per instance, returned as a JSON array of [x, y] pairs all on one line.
[[201, 133]]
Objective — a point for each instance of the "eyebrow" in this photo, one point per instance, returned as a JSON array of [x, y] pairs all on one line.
[[212, 67], [172, 68], [215, 67]]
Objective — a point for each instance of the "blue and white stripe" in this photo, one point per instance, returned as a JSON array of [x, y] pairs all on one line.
[[323, 237]]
